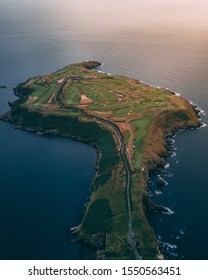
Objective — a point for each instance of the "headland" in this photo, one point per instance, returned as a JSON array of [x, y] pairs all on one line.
[[127, 122]]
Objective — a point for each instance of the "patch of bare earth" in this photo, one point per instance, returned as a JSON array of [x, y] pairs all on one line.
[[84, 99], [50, 106], [123, 126], [33, 98]]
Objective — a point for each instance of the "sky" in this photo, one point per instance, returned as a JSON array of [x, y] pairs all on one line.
[[108, 14], [132, 12]]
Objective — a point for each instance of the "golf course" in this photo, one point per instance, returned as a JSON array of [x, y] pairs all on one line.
[[127, 123]]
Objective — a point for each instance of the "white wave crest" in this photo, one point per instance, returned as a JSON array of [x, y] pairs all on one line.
[[158, 192], [74, 229], [167, 166], [182, 232], [168, 246], [202, 126], [102, 72], [168, 212], [201, 111]]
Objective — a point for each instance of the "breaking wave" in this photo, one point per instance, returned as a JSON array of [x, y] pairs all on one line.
[[167, 166], [158, 192], [202, 126], [173, 154], [168, 211]]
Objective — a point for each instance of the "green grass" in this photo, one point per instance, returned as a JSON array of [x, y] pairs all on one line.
[[145, 237], [112, 105], [140, 129], [72, 94], [101, 179], [122, 111], [97, 218], [126, 135], [124, 107], [122, 81], [98, 93], [43, 93], [61, 73]]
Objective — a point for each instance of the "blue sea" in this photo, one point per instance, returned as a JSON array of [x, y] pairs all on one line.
[[45, 181]]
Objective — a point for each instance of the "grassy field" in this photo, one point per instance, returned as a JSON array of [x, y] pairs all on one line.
[[140, 129], [143, 115]]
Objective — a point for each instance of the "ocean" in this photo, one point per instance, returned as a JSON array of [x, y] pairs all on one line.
[[45, 181]]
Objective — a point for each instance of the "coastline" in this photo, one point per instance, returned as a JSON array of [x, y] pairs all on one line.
[[168, 248], [97, 240], [150, 206]]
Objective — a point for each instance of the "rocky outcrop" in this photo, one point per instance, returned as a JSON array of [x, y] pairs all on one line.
[[161, 182], [159, 208], [96, 241], [91, 64]]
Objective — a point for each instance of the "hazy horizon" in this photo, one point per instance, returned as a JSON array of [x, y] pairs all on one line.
[[108, 15]]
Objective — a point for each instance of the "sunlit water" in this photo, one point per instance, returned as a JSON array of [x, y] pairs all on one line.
[[45, 181]]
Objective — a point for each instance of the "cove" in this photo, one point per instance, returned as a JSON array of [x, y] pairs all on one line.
[[45, 183]]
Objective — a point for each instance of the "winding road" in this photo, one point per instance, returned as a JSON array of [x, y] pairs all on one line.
[[131, 235]]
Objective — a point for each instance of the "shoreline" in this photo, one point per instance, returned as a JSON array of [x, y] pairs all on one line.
[[168, 249], [153, 207], [160, 128]]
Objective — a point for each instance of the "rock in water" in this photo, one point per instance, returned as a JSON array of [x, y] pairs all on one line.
[[161, 181]]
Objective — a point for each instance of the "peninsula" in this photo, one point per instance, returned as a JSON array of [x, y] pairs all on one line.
[[127, 122]]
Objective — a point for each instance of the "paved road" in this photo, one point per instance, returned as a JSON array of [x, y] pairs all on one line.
[[59, 87], [131, 235]]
